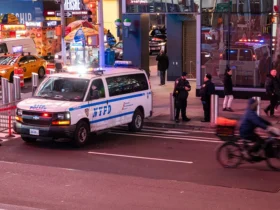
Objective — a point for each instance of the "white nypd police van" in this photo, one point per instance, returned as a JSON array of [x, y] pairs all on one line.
[[71, 105]]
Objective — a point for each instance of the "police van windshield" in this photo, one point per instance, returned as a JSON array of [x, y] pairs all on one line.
[[64, 89]]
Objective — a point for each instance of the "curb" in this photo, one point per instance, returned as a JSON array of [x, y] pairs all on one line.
[[187, 126]]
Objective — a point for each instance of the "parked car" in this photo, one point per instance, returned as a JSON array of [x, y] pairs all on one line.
[[156, 44], [205, 57], [29, 63]]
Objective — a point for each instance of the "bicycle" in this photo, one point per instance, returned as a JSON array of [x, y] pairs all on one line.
[[235, 148]]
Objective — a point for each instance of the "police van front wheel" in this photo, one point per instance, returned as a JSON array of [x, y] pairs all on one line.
[[137, 121], [81, 134]]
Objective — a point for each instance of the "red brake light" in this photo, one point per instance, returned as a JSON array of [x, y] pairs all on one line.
[[254, 58], [45, 115], [221, 55]]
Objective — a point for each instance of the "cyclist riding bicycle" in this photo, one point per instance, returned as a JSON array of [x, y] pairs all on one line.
[[249, 123]]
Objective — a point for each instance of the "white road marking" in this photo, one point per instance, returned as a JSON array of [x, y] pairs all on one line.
[[173, 129], [174, 132], [143, 158], [186, 138]]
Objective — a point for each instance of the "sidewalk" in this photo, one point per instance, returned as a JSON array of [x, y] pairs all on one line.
[[161, 107]]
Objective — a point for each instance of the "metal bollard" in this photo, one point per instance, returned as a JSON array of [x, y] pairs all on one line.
[[172, 107], [214, 108], [11, 92], [5, 97], [258, 99], [17, 88], [35, 82]]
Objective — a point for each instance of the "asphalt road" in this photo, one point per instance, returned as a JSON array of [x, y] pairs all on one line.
[[154, 169], [157, 168]]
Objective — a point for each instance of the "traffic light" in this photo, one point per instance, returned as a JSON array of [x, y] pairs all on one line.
[[89, 16]]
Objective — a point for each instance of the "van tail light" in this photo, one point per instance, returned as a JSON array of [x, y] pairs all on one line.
[[150, 84], [254, 58], [221, 55]]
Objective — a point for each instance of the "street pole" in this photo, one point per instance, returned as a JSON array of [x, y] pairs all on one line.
[[101, 34], [63, 45]]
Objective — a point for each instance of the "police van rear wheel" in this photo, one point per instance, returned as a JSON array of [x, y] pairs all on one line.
[[81, 134], [28, 139], [137, 121]]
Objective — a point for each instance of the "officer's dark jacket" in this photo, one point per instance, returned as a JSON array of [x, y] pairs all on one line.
[[163, 62], [228, 84], [207, 90], [271, 85], [180, 91]]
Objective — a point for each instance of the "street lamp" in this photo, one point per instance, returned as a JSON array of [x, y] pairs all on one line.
[[126, 27]]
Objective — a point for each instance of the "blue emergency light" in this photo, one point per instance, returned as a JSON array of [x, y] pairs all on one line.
[[123, 64]]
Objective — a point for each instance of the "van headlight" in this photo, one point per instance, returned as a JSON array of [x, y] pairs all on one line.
[[61, 118], [56, 56]]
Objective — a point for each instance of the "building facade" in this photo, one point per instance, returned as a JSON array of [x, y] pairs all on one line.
[[24, 10], [207, 36]]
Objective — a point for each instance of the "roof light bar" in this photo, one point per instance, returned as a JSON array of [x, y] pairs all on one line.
[[251, 40], [123, 64]]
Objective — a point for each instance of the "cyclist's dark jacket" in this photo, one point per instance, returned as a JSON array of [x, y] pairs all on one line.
[[251, 121]]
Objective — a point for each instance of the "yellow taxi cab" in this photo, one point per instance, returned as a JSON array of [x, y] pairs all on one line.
[[29, 64]]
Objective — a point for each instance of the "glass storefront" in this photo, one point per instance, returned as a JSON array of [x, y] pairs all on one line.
[[240, 35], [236, 34]]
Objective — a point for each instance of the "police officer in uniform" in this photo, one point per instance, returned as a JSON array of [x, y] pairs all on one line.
[[207, 89], [181, 93]]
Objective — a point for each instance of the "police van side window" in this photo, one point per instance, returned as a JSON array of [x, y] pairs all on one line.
[[3, 48], [120, 85], [245, 55], [96, 90]]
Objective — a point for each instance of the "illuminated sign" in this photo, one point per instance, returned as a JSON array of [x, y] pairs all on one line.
[[50, 13], [137, 2], [82, 12], [17, 49], [51, 23], [33, 24], [72, 5]]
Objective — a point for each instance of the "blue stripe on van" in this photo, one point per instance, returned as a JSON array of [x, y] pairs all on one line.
[[105, 101], [111, 117]]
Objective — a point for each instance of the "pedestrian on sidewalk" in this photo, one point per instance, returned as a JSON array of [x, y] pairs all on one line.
[[273, 91], [181, 93], [228, 90], [163, 64], [207, 89], [264, 67]]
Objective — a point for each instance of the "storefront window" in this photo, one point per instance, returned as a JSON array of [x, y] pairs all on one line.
[[240, 35]]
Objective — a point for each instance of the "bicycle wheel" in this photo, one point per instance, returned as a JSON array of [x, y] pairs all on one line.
[[231, 153], [272, 152]]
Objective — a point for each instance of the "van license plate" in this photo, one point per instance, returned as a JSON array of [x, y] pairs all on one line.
[[34, 132]]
